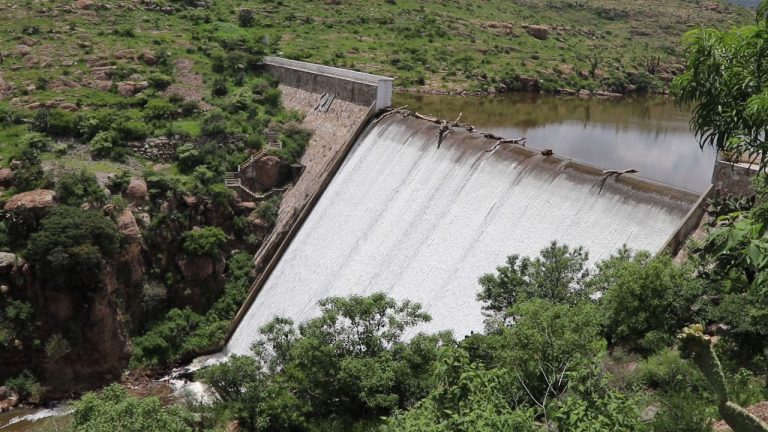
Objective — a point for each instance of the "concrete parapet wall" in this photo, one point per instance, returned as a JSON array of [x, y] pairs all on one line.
[[689, 224], [356, 87], [734, 178]]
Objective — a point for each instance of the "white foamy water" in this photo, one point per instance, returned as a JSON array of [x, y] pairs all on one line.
[[44, 413], [418, 222]]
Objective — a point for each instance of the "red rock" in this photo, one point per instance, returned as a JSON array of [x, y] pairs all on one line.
[[267, 171], [6, 177], [137, 191], [195, 267], [35, 200], [538, 31], [127, 226]]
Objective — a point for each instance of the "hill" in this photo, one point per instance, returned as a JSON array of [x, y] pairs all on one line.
[[441, 45]]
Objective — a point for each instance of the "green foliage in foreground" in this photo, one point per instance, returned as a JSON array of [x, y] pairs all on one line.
[[698, 347], [114, 410]]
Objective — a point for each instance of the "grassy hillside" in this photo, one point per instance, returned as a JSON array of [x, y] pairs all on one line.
[[428, 45]]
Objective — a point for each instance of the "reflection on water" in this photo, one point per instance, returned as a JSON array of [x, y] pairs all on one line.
[[645, 133]]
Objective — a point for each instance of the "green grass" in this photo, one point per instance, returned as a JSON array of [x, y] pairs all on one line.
[[9, 138], [449, 45]]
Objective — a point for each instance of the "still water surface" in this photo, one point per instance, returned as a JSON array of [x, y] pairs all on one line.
[[645, 133]]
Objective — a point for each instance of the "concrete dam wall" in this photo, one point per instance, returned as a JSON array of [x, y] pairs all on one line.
[[416, 221]]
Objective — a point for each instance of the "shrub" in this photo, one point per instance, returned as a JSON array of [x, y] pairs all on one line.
[[25, 385], [76, 188], [30, 175], [36, 141], [646, 299], [204, 241], [114, 410], [159, 81], [245, 17], [557, 275], [159, 109], [103, 143], [54, 122], [71, 245], [219, 87]]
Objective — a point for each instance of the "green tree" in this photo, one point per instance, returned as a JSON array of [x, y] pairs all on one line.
[[71, 246], [557, 275], [726, 81], [79, 187], [646, 299], [204, 241], [548, 341], [466, 398], [114, 410]]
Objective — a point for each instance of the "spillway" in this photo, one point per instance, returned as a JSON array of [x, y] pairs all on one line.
[[416, 221]]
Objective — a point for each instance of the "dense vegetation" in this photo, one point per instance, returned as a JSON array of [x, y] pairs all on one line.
[[132, 130]]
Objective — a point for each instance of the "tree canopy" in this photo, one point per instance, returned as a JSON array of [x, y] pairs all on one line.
[[726, 81]]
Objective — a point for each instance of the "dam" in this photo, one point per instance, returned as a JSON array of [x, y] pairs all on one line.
[[423, 220]]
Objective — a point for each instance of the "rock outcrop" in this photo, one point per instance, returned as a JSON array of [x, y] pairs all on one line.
[[35, 200], [7, 262], [137, 191], [267, 171], [539, 32]]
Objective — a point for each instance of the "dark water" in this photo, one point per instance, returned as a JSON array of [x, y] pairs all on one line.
[[645, 133]]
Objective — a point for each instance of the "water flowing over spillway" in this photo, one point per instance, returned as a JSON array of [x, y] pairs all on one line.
[[415, 221]]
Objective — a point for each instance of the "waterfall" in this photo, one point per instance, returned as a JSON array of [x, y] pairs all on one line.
[[416, 221]]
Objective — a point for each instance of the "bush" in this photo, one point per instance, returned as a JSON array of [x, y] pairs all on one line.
[[25, 385], [557, 275], [159, 81], [159, 109], [245, 17], [114, 410], [103, 143], [71, 246], [30, 175], [204, 241], [54, 122], [36, 141], [646, 300], [219, 87], [77, 188]]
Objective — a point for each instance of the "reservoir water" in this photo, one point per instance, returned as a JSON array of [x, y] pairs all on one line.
[[646, 133]]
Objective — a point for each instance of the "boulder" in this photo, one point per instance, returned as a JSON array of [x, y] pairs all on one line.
[[6, 177], [131, 88], [148, 58], [195, 267], [7, 261], [34, 200], [85, 5], [137, 191], [127, 226], [267, 171], [23, 50], [538, 31], [529, 84]]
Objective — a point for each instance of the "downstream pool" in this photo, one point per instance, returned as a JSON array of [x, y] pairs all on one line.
[[645, 133]]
